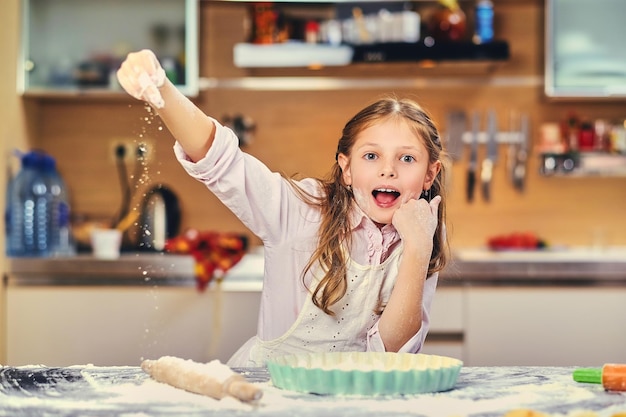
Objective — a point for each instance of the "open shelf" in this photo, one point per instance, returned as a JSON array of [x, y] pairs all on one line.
[[583, 164], [437, 52], [299, 54]]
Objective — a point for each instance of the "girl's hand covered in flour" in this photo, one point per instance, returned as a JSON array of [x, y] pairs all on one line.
[[416, 222], [141, 75]]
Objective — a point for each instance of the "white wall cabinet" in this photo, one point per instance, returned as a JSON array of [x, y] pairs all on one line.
[[75, 46]]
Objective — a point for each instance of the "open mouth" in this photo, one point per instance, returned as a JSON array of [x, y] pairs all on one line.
[[385, 196]]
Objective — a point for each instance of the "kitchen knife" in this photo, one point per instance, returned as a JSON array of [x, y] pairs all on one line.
[[513, 145], [454, 134], [486, 173], [473, 158], [519, 170]]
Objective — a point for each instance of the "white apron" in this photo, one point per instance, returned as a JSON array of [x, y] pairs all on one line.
[[315, 331]]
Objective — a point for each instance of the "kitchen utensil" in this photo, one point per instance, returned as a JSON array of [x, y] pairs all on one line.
[[473, 157], [159, 219], [454, 135], [364, 373], [125, 216], [212, 379], [513, 145], [127, 221], [486, 173], [120, 155], [519, 168], [612, 376]]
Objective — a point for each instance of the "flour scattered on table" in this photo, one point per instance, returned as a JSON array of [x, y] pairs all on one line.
[[153, 392], [129, 392]]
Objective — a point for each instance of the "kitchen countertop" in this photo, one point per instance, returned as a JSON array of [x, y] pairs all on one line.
[[129, 269], [577, 265], [573, 266], [128, 392]]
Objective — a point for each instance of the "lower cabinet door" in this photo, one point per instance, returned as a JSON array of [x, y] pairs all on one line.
[[64, 326], [545, 326], [445, 336]]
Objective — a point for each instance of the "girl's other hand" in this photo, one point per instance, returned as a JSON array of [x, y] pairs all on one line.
[[141, 75], [416, 221]]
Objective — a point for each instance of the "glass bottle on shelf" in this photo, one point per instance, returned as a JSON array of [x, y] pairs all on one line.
[[483, 24], [449, 22]]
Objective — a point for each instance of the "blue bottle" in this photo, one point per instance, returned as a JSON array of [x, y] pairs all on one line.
[[484, 21], [37, 215], [37, 207], [59, 236], [19, 214]]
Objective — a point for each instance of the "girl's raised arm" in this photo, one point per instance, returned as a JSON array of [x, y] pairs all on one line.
[[142, 76]]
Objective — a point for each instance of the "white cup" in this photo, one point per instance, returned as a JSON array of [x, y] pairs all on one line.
[[106, 243]]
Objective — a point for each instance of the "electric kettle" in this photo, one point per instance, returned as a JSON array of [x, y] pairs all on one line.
[[159, 220]]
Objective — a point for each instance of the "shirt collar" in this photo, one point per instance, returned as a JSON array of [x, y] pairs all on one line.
[[358, 219]]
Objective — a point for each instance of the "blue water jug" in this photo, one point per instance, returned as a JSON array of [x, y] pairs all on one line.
[[37, 216], [59, 239], [19, 215]]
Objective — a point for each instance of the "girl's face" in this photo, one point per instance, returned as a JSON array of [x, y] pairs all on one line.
[[388, 166]]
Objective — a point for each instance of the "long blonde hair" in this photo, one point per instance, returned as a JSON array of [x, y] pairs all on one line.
[[336, 199]]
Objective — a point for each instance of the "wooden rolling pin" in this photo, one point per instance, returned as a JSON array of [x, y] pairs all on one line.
[[212, 379]]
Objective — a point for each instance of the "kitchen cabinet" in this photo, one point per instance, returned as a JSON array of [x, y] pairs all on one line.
[[445, 336], [553, 308], [584, 50], [512, 325], [545, 325], [483, 326], [74, 47], [121, 325], [81, 309]]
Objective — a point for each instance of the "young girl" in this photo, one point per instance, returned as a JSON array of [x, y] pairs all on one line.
[[351, 261]]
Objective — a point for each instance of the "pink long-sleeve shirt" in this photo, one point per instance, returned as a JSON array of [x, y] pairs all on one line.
[[267, 204]]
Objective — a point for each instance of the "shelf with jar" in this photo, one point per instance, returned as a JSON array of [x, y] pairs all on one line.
[[292, 35], [580, 147], [74, 48]]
